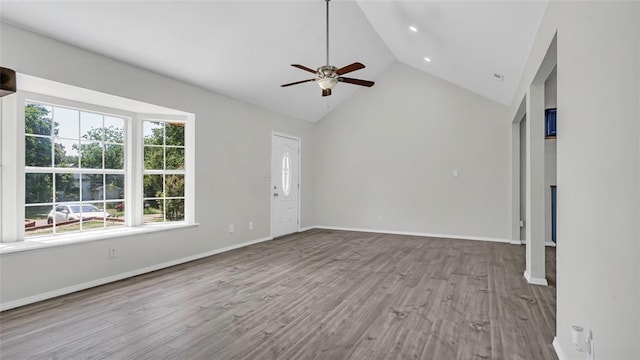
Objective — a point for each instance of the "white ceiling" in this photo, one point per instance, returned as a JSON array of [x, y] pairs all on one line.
[[243, 49]]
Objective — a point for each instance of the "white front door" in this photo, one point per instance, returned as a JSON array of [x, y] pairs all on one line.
[[285, 156]]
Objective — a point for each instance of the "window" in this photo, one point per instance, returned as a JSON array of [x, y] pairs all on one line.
[[286, 173], [74, 158], [91, 163], [164, 171]]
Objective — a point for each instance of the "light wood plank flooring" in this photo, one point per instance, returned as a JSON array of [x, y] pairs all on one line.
[[320, 294]]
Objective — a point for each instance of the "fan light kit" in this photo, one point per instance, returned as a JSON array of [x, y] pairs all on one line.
[[328, 76], [327, 83]]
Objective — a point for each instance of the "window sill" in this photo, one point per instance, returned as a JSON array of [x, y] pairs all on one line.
[[52, 241]]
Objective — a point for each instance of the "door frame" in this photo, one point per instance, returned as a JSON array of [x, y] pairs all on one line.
[[299, 140], [531, 106]]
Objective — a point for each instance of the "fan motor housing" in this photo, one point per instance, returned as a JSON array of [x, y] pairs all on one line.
[[327, 71]]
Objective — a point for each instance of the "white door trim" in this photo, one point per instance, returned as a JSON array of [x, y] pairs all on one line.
[[299, 140]]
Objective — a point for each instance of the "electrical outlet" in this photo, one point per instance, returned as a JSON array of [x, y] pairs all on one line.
[[112, 253], [230, 228], [250, 225]]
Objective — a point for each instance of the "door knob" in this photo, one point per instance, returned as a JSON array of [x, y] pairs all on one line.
[[275, 194]]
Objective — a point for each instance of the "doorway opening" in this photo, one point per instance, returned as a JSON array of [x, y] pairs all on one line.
[[534, 170]]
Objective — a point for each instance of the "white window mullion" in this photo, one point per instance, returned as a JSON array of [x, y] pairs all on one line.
[[189, 165], [12, 169], [39, 170], [168, 172], [50, 170], [134, 189], [164, 172]]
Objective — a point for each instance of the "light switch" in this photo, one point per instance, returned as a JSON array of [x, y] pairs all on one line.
[[455, 172]]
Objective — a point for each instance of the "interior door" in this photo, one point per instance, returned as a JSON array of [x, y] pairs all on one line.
[[285, 188]]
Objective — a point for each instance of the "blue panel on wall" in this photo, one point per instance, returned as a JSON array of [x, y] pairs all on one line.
[[550, 122]]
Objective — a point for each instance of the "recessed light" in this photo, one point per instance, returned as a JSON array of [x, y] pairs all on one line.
[[413, 28], [427, 59]]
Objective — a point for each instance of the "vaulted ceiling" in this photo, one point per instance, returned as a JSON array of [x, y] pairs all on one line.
[[243, 49]]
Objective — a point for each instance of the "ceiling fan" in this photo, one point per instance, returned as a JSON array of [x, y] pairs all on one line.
[[328, 76]]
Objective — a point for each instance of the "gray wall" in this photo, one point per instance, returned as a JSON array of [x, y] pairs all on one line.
[[233, 146], [390, 152], [597, 170]]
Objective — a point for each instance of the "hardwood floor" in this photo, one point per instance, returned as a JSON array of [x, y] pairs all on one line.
[[320, 294]]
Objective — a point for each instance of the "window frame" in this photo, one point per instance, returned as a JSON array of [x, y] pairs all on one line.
[[53, 102], [164, 171], [12, 153]]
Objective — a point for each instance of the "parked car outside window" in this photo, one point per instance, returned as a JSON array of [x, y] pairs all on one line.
[[66, 212]]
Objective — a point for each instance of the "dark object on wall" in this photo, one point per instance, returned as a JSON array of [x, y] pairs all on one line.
[[7, 81], [550, 123], [554, 213]]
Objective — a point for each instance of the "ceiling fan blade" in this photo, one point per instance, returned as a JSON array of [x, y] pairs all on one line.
[[366, 83], [302, 67], [349, 68], [297, 82], [326, 92]]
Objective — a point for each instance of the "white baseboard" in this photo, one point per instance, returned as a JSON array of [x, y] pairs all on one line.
[[558, 349], [534, 280], [393, 232], [109, 279], [306, 228]]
